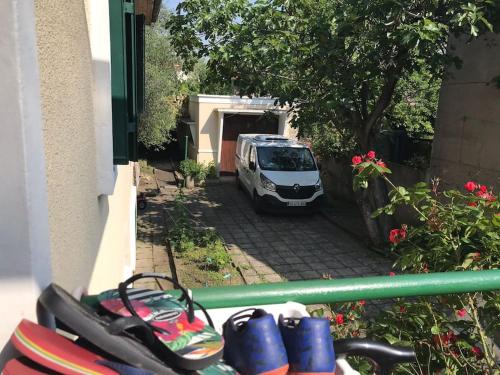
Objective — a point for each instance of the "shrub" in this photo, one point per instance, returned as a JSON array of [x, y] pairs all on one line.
[[191, 168], [460, 230]]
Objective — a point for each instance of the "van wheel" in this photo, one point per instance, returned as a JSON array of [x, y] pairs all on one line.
[[257, 203]]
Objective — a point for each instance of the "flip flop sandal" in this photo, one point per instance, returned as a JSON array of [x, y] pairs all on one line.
[[177, 335], [111, 336], [55, 352], [24, 366]]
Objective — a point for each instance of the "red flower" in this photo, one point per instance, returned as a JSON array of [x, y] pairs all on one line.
[[470, 186], [356, 160], [402, 309], [392, 273], [476, 255], [483, 188], [425, 268], [397, 235], [362, 302], [472, 204], [461, 313], [370, 155], [339, 319], [380, 163], [477, 352]]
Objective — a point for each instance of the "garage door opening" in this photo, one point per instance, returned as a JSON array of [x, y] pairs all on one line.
[[236, 124]]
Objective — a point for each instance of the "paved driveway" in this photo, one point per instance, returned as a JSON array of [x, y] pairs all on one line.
[[270, 248]]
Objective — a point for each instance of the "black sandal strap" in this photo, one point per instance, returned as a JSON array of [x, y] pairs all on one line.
[[122, 290], [120, 325]]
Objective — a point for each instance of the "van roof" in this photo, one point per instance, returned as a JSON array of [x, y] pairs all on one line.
[[271, 140]]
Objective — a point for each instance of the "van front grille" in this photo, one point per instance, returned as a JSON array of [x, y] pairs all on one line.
[[288, 192]]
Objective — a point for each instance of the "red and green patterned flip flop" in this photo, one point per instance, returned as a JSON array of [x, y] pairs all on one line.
[[178, 337]]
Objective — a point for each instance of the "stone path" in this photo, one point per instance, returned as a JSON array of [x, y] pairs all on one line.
[[152, 254], [271, 248]]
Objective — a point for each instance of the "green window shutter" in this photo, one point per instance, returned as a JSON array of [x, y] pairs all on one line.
[[123, 79], [140, 40]]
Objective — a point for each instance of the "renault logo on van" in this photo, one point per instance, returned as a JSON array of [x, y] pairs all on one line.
[[296, 188]]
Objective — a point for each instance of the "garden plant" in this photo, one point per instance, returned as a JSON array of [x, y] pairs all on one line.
[[459, 230], [200, 246]]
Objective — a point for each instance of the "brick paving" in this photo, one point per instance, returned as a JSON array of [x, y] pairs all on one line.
[[152, 254], [272, 248]]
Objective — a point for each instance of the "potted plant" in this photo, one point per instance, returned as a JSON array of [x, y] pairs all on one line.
[[192, 171]]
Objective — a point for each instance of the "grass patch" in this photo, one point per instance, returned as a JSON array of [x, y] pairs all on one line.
[[199, 252]]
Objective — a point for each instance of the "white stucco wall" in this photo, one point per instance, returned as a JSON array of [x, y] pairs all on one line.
[[24, 232], [208, 110], [89, 231]]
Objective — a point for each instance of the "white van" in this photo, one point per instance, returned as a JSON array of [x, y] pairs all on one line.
[[277, 172]]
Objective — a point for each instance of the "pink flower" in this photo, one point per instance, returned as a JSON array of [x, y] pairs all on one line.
[[392, 273], [380, 163], [362, 302], [483, 188], [356, 160], [397, 235], [370, 155], [461, 313], [470, 186], [485, 195]]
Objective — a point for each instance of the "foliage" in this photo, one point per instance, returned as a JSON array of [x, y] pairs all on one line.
[[414, 104], [162, 86], [191, 168], [211, 170], [167, 86], [328, 141], [337, 62], [459, 231], [202, 246]]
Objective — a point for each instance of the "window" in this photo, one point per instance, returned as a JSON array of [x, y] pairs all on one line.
[[292, 159], [127, 77], [251, 156]]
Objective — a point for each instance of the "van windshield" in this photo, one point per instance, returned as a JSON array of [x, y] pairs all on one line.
[[285, 159]]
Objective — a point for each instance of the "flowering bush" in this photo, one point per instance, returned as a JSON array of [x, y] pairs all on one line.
[[460, 230]]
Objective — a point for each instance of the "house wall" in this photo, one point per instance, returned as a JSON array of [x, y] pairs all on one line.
[[203, 109], [466, 142], [25, 267], [89, 232]]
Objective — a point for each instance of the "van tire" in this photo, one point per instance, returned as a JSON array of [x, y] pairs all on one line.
[[257, 203]]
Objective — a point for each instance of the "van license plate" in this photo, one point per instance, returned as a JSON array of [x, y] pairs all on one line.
[[296, 204]]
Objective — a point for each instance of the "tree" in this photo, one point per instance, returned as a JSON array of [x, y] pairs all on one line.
[[162, 101], [168, 85], [338, 62]]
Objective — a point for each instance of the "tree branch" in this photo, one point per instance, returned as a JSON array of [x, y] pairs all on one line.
[[382, 103]]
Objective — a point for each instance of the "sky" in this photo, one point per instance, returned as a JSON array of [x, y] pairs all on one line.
[[170, 4]]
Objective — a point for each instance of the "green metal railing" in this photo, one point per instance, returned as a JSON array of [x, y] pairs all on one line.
[[352, 289]]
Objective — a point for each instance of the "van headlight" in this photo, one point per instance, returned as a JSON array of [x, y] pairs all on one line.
[[317, 185], [267, 183]]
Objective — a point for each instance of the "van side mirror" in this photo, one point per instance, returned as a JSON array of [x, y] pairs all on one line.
[[252, 166]]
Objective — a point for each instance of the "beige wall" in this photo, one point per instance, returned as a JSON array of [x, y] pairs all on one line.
[[206, 115], [89, 235], [466, 144]]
